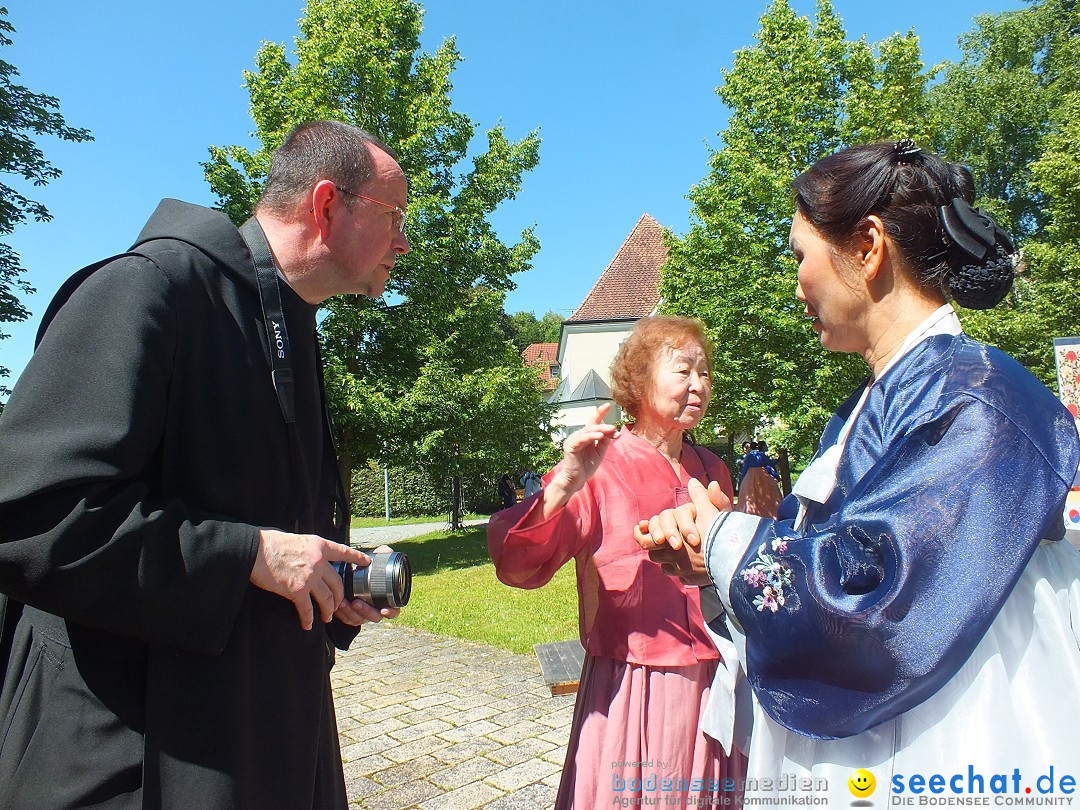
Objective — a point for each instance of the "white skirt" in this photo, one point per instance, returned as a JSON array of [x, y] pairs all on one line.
[[1014, 706]]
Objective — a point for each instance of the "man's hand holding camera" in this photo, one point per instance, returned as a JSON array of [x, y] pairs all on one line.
[[300, 568]]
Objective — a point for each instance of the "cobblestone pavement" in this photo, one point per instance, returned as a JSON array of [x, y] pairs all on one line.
[[427, 722]]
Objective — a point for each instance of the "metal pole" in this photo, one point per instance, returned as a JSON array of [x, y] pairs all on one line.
[[455, 494], [386, 490]]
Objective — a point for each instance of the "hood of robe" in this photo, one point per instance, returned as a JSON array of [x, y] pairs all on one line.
[[209, 231]]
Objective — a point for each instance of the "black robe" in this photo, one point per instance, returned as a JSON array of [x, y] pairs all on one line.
[[139, 453]]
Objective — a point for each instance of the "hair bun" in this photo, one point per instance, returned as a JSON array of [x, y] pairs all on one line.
[[981, 286], [979, 255]]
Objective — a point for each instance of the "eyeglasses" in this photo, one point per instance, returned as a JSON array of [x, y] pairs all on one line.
[[399, 215]]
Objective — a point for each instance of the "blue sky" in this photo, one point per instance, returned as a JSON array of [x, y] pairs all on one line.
[[621, 92]]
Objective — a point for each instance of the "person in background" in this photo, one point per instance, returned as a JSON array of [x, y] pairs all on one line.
[[757, 456], [751, 458], [759, 494], [170, 509], [919, 614], [747, 446], [530, 482], [648, 657], [770, 463], [507, 491]]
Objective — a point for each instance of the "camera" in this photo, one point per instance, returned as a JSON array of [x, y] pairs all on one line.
[[386, 583]]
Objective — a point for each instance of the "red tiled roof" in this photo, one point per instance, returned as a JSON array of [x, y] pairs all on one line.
[[629, 287], [544, 354]]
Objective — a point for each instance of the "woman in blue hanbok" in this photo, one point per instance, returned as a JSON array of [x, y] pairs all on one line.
[[917, 614]]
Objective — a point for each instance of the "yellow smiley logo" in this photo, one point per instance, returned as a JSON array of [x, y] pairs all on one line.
[[861, 783]]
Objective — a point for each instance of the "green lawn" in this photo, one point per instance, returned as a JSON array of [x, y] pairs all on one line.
[[455, 593]]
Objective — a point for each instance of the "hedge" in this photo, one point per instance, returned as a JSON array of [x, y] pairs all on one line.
[[414, 491]]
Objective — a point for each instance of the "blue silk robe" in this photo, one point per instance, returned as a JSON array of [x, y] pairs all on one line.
[[954, 471]]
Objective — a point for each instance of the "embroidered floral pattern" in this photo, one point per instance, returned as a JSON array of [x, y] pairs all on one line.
[[770, 575]]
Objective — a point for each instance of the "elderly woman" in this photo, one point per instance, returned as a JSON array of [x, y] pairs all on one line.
[[920, 617], [649, 659]]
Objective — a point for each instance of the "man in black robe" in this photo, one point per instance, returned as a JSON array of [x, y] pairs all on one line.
[[169, 511]]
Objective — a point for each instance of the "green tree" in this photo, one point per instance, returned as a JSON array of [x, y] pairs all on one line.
[[24, 116], [801, 92], [523, 328], [1008, 109], [414, 376]]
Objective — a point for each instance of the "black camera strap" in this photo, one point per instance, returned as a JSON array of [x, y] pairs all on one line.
[[279, 350], [277, 333], [279, 353]]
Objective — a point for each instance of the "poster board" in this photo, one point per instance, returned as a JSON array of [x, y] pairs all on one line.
[[1067, 361]]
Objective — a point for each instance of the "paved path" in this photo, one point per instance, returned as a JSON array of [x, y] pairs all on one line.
[[428, 722], [377, 535]]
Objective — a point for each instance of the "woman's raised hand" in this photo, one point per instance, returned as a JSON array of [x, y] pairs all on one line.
[[583, 451]]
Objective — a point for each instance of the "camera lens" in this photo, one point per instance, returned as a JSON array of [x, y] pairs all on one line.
[[386, 583]]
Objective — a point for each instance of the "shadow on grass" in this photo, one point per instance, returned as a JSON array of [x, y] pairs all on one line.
[[446, 550]]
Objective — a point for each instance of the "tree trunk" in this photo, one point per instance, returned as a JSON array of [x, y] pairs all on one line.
[[784, 470]]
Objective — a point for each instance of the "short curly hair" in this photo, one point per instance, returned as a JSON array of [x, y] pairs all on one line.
[[634, 366]]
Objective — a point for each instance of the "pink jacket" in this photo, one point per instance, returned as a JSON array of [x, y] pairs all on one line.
[[627, 608]]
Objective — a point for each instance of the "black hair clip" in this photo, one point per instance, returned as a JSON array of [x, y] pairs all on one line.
[[905, 149], [979, 256], [972, 230]]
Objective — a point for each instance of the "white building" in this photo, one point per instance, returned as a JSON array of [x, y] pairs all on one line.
[[626, 291]]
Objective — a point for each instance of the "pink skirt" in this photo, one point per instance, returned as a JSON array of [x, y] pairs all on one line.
[[636, 734]]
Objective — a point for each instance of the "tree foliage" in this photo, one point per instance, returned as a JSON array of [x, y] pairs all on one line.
[[523, 328], [24, 117], [424, 376], [1009, 110], [801, 92]]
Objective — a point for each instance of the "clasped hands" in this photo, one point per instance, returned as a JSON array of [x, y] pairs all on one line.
[[299, 567], [675, 537]]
